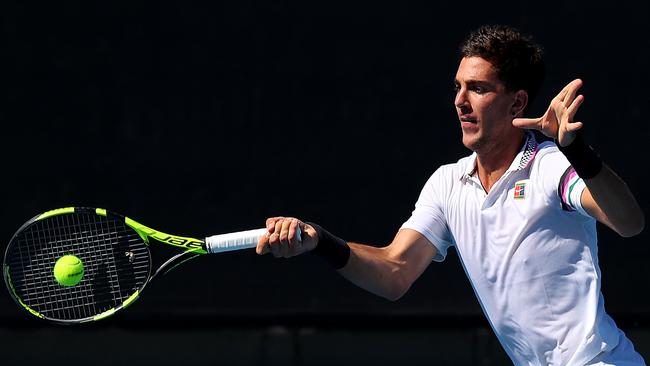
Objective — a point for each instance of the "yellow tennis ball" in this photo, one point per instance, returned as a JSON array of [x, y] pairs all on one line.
[[68, 270]]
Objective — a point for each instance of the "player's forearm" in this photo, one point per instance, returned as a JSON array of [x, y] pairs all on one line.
[[388, 271], [607, 197], [616, 202], [377, 270], [374, 270]]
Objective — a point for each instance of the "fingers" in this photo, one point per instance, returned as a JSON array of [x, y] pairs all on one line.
[[263, 244], [562, 93], [567, 134], [557, 122], [567, 120], [283, 229], [528, 123], [571, 91], [270, 223], [568, 127], [573, 107], [283, 239], [295, 232], [568, 107], [573, 85], [575, 126]]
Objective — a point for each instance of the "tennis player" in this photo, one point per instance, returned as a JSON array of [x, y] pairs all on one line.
[[521, 214]]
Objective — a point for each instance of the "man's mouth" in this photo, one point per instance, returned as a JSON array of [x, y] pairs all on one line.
[[468, 119]]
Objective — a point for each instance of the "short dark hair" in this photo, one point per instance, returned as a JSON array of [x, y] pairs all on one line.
[[516, 57]]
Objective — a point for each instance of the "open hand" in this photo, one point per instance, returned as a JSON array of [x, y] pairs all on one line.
[[557, 123]]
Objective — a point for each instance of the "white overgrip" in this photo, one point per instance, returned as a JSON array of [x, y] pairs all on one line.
[[234, 241], [238, 240]]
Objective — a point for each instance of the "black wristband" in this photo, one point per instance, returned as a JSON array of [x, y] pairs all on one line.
[[582, 157], [332, 249]]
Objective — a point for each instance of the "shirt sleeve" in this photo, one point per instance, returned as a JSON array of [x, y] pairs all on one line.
[[428, 217], [562, 181]]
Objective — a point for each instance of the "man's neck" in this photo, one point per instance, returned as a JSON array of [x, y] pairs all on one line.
[[493, 162]]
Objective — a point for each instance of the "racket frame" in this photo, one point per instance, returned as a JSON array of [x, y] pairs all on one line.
[[192, 248]]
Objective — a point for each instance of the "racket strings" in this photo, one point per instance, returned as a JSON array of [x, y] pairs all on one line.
[[116, 263]]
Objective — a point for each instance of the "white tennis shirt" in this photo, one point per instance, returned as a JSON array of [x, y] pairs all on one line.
[[529, 250]]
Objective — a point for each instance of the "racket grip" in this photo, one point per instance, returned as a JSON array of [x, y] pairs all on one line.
[[237, 240], [234, 241]]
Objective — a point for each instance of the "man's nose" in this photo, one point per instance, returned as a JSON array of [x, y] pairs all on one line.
[[461, 101]]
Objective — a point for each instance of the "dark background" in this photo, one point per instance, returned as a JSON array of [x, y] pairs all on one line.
[[203, 118]]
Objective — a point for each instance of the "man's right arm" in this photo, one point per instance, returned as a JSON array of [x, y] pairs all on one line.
[[389, 271], [385, 271]]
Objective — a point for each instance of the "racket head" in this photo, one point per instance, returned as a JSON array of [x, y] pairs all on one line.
[[116, 258]]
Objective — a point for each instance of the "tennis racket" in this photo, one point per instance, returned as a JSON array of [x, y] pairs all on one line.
[[116, 256]]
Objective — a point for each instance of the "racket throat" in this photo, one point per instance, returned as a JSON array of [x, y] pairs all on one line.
[[190, 244]]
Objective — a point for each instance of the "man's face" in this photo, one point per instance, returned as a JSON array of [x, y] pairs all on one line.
[[483, 105]]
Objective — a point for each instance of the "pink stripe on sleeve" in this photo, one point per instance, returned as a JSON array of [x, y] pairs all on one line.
[[568, 179]]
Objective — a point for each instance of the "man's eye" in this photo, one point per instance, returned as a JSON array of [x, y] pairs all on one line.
[[479, 89]]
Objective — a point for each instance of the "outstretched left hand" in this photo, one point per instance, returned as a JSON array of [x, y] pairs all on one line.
[[557, 123]]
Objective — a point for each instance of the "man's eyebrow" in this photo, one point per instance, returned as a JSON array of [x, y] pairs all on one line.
[[473, 82]]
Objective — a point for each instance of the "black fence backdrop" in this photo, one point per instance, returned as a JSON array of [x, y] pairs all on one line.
[[203, 118]]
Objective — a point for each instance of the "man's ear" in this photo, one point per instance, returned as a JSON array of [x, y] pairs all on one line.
[[519, 103]]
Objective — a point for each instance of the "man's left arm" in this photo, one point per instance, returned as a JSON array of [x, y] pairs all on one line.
[[606, 197], [609, 200]]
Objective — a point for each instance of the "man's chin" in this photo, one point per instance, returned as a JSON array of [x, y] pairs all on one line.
[[470, 142]]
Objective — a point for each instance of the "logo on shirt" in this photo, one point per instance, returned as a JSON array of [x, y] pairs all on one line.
[[520, 190]]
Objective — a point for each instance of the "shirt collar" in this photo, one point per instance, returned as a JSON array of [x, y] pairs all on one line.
[[520, 162]]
